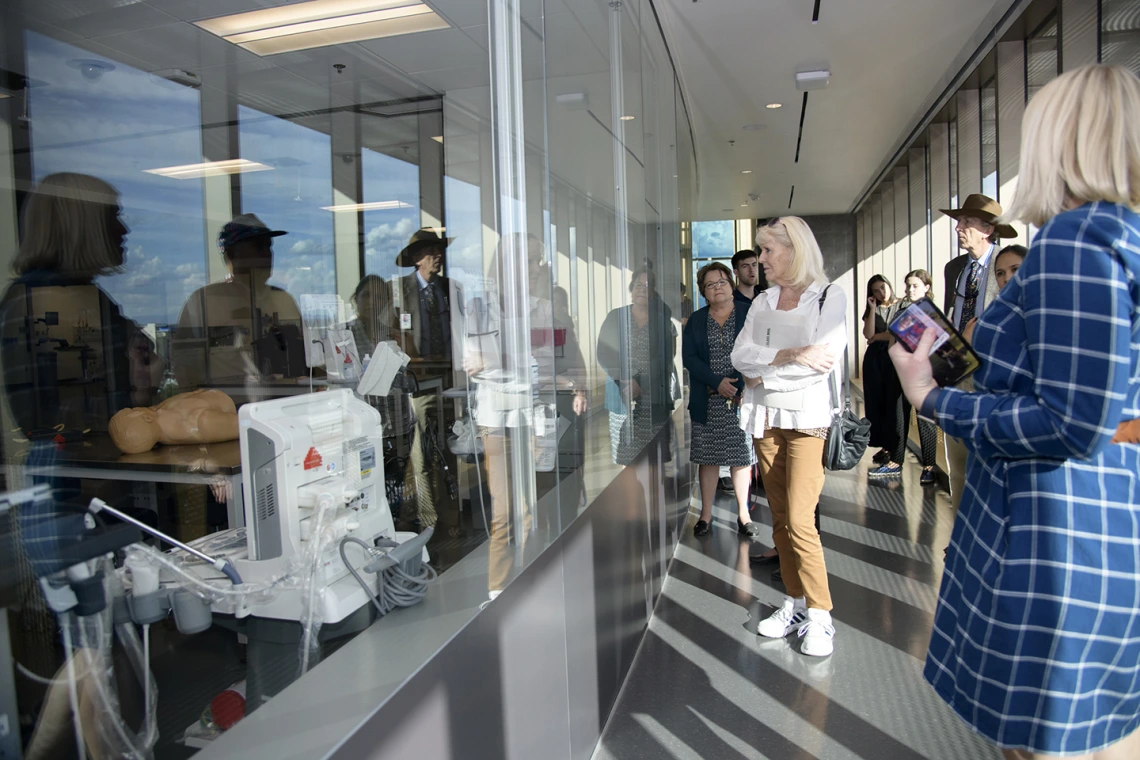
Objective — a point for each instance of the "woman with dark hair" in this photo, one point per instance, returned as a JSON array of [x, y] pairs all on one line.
[[919, 285], [714, 397], [637, 345], [881, 389]]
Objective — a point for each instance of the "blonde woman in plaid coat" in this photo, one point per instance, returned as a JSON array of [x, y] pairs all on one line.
[[1036, 641]]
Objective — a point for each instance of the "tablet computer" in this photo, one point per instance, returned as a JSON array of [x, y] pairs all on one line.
[[951, 358]]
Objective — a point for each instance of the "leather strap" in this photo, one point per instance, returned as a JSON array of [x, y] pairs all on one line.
[[1127, 432]]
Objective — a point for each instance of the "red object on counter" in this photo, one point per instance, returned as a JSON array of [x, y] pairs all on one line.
[[227, 709]]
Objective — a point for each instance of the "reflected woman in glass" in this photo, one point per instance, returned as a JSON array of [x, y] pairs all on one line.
[[637, 345], [70, 357], [718, 441], [375, 317], [508, 393]]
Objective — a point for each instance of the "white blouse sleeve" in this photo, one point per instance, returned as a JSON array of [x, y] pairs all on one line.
[[749, 358]]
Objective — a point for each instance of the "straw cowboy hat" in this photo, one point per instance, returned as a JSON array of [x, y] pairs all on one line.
[[424, 238], [982, 207]]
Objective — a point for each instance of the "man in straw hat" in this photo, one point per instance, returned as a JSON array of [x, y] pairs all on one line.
[[424, 331], [970, 285], [979, 231]]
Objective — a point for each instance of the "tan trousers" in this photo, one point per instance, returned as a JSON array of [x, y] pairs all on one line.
[[496, 453], [791, 465], [420, 463]]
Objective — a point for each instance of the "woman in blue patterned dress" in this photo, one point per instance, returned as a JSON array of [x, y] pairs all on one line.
[[1036, 640], [714, 397]]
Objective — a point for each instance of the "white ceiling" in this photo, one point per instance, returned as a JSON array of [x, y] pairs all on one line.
[[888, 60], [734, 56]]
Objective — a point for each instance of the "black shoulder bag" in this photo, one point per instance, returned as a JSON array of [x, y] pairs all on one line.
[[849, 435]]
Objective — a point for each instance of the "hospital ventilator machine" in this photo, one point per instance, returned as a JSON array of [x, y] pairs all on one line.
[[319, 544]]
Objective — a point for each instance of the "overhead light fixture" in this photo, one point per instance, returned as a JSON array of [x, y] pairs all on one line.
[[754, 127], [374, 206], [321, 23], [726, 211], [746, 171], [627, 118], [438, 139], [774, 105], [812, 80], [744, 205], [210, 169], [573, 100]]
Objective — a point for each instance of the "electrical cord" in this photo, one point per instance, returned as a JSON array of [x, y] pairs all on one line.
[[398, 588], [356, 575]]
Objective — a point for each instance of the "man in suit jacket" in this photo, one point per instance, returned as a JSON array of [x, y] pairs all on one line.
[[423, 330], [979, 232], [970, 285]]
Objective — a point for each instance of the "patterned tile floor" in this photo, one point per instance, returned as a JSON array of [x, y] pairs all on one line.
[[705, 685]]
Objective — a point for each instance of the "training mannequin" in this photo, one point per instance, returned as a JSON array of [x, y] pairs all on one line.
[[206, 416]]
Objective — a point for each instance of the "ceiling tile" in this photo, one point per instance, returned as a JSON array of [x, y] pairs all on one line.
[[178, 45], [97, 18], [429, 51]]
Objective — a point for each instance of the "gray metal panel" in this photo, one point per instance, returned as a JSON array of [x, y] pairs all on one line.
[[266, 522]]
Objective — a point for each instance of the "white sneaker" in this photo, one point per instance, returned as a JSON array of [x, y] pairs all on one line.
[[817, 634], [784, 620]]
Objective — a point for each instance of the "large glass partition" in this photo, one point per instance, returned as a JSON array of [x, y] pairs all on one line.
[[215, 225]]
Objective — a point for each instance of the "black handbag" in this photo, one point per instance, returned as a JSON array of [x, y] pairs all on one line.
[[849, 435]]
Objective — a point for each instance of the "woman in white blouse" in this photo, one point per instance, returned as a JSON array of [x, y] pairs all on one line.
[[795, 332]]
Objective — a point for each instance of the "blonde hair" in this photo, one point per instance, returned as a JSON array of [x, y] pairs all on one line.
[[807, 260], [66, 227], [1080, 143]]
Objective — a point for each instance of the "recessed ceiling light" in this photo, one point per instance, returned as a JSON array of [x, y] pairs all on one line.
[[210, 169], [743, 205], [774, 105], [627, 118], [321, 23], [726, 211], [374, 206], [746, 171]]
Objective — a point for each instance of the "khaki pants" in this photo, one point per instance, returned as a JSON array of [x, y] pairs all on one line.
[[956, 458], [496, 452], [791, 465]]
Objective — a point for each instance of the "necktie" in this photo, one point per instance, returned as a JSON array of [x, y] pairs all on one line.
[[970, 301], [435, 322]]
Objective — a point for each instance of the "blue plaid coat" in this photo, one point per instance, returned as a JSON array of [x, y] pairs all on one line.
[[1036, 640]]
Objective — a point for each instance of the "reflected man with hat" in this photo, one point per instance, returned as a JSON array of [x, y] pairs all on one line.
[[242, 329], [970, 286], [424, 332]]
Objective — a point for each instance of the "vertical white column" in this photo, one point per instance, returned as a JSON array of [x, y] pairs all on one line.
[[220, 194], [1079, 20], [1010, 111], [509, 151], [969, 143], [348, 238], [916, 179], [943, 247], [902, 226]]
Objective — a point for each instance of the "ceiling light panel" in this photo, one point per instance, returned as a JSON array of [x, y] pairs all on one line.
[[210, 169], [322, 23], [374, 206]]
